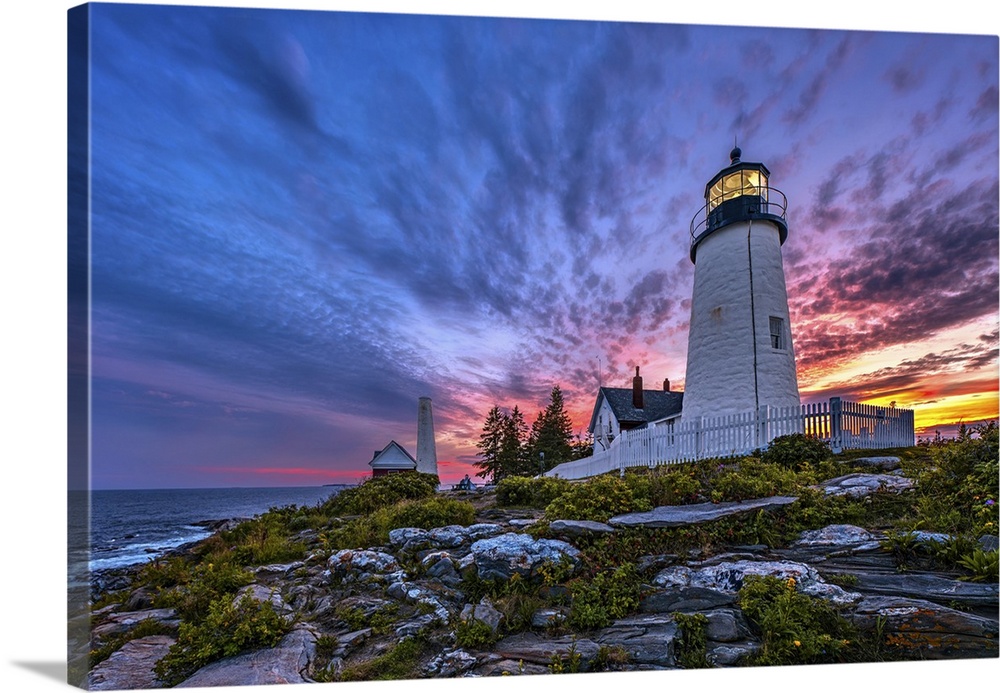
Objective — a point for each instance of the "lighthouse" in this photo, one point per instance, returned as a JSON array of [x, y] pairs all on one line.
[[426, 449], [740, 355]]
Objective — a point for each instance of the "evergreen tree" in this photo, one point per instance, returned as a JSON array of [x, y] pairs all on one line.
[[582, 446], [491, 443], [515, 451], [501, 445], [551, 435]]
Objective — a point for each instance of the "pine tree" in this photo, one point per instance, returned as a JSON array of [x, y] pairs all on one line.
[[515, 451], [551, 434], [501, 445], [491, 444], [582, 446]]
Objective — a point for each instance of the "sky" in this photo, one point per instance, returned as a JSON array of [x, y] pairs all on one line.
[[301, 222]]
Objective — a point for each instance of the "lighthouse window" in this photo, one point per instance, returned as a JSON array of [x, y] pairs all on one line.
[[737, 184], [777, 333]]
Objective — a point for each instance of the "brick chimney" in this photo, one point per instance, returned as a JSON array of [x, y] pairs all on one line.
[[666, 384], [637, 390]]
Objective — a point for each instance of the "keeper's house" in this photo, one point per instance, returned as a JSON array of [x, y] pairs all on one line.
[[621, 409], [392, 459]]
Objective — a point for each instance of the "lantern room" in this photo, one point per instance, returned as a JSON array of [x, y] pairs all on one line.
[[739, 192]]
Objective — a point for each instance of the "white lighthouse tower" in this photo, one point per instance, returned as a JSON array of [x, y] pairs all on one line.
[[740, 354], [427, 461]]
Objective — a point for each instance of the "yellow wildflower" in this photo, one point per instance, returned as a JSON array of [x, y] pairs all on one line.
[[798, 644]]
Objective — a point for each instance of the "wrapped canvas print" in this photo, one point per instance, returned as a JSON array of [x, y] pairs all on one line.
[[410, 346]]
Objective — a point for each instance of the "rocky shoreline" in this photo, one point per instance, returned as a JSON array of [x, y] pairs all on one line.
[[349, 610], [108, 580]]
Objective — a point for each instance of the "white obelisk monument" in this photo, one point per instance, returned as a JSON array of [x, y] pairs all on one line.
[[740, 354], [427, 460]]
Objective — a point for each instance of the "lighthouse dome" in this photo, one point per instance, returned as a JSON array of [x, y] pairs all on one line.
[[739, 192]]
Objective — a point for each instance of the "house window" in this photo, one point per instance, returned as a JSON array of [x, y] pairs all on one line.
[[777, 333]]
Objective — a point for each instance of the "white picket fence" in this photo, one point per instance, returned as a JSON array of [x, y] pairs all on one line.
[[844, 425]]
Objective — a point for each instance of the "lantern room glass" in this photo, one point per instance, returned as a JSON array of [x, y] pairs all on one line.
[[738, 184]]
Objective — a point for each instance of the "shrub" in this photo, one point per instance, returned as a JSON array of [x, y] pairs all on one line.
[[517, 598], [263, 540], [522, 491], [794, 628], [753, 478], [570, 663], [609, 595], [958, 492], [165, 572], [795, 451], [204, 584], [326, 647], [518, 608], [229, 629], [473, 633], [381, 492], [380, 621], [596, 499], [675, 485], [427, 513], [693, 642], [611, 658]]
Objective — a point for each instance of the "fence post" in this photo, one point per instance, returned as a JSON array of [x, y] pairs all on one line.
[[761, 429], [835, 420], [697, 438]]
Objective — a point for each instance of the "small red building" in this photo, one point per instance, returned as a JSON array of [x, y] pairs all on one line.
[[392, 459]]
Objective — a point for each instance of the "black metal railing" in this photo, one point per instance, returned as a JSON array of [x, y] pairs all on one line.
[[769, 203]]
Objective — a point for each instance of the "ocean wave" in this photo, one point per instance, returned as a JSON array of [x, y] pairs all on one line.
[[141, 552]]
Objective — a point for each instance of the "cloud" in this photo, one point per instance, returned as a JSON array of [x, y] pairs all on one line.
[[809, 97], [270, 65], [956, 154], [925, 374], [325, 217], [986, 105], [904, 78], [926, 266]]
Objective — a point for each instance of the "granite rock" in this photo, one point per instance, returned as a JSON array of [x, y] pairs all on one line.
[[288, 662], [499, 558], [727, 576], [680, 515], [860, 485], [131, 666]]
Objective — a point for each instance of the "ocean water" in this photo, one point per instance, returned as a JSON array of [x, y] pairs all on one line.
[[130, 527]]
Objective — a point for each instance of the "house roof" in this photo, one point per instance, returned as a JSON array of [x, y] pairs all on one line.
[[659, 404], [389, 458]]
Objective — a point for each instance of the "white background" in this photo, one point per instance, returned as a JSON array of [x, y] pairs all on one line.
[[32, 388]]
